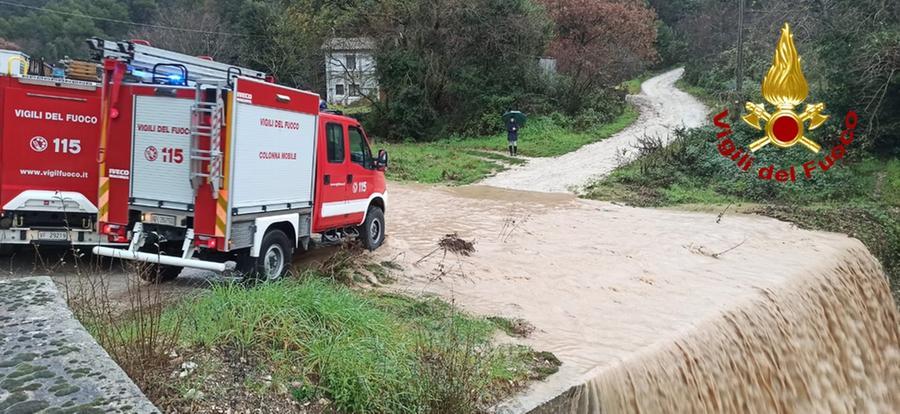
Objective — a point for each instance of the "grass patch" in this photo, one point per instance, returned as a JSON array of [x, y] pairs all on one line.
[[513, 327], [711, 100], [859, 197], [464, 160], [356, 109], [363, 352], [633, 86], [496, 156]]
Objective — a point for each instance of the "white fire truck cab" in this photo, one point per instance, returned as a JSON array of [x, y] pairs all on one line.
[[216, 167]]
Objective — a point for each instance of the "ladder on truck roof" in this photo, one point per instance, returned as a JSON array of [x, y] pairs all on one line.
[[164, 64]]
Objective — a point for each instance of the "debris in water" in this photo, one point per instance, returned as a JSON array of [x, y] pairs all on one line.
[[700, 250], [452, 243], [517, 327], [546, 364], [722, 214], [511, 224]]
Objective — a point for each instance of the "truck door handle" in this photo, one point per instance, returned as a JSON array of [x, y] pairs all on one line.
[[349, 178], [327, 179]]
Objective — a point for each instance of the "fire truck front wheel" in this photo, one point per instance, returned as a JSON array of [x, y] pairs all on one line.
[[274, 259], [371, 232]]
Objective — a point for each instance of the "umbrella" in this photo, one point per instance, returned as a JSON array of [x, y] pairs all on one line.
[[518, 116]]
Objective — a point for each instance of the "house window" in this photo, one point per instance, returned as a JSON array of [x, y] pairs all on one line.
[[354, 90], [351, 62], [335, 137], [339, 89]]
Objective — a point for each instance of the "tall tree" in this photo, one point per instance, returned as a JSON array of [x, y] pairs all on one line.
[[205, 38], [600, 43], [451, 63], [59, 30]]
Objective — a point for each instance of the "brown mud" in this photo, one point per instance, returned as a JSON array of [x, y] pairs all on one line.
[[660, 311]]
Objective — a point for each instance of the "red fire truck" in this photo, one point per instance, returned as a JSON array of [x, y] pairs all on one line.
[[49, 129], [216, 167]]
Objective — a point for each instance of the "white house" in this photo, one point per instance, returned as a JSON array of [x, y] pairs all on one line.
[[350, 69]]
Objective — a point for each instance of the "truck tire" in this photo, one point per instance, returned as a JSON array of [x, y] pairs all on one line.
[[371, 232], [7, 249], [155, 273], [275, 253]]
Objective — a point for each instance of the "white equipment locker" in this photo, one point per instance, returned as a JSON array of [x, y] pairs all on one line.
[[274, 157], [161, 174]]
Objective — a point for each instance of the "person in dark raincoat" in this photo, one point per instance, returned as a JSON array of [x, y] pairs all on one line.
[[512, 136]]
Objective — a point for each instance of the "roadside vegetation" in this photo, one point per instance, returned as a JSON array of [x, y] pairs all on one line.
[[859, 196], [466, 159], [311, 343]]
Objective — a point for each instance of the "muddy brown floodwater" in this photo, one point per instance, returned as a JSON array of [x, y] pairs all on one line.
[[659, 311]]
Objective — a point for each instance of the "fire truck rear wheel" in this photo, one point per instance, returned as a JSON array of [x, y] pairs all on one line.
[[7, 249], [371, 232], [155, 273], [274, 259]]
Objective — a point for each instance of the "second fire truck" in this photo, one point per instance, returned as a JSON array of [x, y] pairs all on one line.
[[49, 130]]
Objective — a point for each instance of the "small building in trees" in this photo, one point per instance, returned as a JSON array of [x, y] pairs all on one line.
[[547, 65], [350, 70]]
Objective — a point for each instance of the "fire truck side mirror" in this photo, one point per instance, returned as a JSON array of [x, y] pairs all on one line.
[[382, 162]]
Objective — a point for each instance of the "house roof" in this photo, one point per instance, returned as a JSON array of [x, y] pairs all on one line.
[[349, 43]]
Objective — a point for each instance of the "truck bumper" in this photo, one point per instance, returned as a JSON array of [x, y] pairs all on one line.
[[137, 240], [54, 236], [162, 259]]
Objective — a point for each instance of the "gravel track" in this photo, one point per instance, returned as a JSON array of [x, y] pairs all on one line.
[[663, 108]]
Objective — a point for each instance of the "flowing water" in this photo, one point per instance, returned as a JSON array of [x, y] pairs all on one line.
[[659, 311]]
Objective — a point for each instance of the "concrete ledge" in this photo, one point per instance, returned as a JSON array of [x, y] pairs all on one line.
[[48, 361]]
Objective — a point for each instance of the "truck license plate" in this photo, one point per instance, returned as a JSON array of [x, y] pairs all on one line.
[[53, 235], [162, 219]]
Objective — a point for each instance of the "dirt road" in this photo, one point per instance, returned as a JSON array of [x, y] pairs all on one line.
[[660, 310], [663, 108]]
